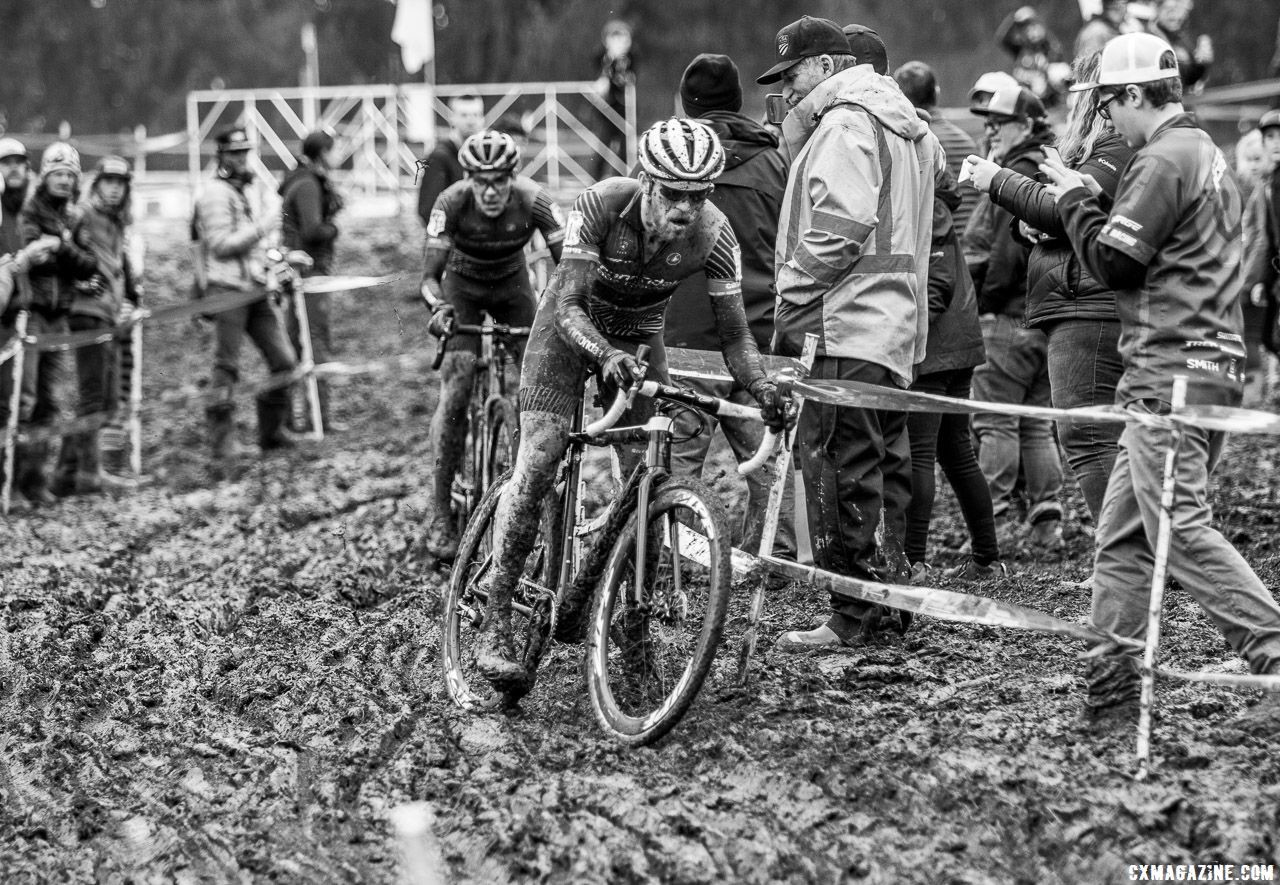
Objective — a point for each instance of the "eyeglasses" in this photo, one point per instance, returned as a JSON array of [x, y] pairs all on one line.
[[993, 123], [695, 197], [484, 182], [1104, 107]]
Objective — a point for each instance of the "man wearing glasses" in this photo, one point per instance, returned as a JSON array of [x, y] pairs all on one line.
[[628, 243], [474, 258], [1170, 246]]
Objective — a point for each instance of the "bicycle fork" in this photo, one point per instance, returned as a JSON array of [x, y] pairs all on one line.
[[657, 455]]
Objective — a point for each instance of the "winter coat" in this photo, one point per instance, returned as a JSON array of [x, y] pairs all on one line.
[[309, 204], [103, 232], [1004, 283], [1058, 285], [955, 335], [852, 259], [228, 239], [749, 193], [440, 170], [1262, 254], [52, 284], [10, 211]]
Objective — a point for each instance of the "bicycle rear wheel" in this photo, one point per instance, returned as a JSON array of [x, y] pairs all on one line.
[[647, 662], [465, 601]]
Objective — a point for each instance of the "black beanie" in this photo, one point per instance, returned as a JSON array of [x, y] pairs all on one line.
[[710, 83]]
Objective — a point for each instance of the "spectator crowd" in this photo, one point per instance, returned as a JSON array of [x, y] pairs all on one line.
[[1078, 264]]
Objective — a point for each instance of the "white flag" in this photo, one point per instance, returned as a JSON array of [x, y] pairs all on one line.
[[414, 30]]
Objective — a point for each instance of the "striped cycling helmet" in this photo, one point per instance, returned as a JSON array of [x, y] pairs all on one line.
[[489, 151], [679, 151]]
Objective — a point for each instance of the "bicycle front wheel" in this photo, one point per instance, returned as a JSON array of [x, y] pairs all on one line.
[[466, 601], [647, 658]]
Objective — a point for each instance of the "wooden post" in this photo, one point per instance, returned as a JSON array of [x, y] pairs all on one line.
[[15, 403], [304, 344], [135, 401], [1158, 573]]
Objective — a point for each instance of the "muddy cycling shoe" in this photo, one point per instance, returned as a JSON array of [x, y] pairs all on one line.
[[838, 632], [496, 659], [441, 539]]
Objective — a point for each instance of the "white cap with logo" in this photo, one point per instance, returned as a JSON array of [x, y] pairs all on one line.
[[1133, 58]]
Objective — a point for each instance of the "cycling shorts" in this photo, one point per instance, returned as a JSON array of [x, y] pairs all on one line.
[[509, 300]]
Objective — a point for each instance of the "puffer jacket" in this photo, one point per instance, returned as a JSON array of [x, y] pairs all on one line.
[[52, 284], [1004, 285], [102, 231], [852, 259], [1058, 285], [955, 335], [228, 239], [749, 193]]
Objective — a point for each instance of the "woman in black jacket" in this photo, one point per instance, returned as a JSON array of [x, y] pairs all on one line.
[[1075, 311]]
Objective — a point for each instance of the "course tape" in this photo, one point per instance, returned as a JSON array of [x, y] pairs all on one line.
[[1234, 680], [946, 604]]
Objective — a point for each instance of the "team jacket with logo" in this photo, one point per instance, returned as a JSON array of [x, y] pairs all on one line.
[[483, 248]]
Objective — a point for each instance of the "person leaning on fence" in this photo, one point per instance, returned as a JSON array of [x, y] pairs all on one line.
[[308, 206], [851, 260], [1076, 313], [49, 211], [228, 244], [920, 85], [749, 193], [1016, 371], [473, 263], [441, 167], [102, 302], [1170, 246]]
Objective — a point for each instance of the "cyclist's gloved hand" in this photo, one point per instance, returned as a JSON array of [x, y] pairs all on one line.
[[774, 407], [622, 369], [441, 324]]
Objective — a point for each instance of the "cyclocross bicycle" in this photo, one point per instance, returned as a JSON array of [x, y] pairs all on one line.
[[492, 423], [651, 603]]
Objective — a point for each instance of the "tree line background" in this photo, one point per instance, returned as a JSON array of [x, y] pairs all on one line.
[[109, 65]]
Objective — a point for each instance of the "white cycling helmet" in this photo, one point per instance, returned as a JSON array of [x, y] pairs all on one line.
[[489, 151], [683, 154]]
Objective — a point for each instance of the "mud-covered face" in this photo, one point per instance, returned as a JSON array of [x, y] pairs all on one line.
[[60, 183], [668, 212], [13, 170], [491, 190]]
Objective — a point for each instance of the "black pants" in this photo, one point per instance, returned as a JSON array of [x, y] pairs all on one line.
[[857, 472]]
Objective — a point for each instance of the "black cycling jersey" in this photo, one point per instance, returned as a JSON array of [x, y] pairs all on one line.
[[484, 248]]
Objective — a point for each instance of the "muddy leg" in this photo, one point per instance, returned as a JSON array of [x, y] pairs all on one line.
[[448, 441]]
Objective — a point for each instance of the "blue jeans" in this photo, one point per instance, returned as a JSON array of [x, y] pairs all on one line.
[[1016, 371], [1084, 368], [743, 436], [1204, 562], [946, 440]]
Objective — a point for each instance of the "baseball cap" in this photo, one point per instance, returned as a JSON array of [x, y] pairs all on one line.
[[867, 47], [232, 139], [710, 83], [11, 147], [1019, 103], [1133, 58], [804, 39], [1270, 120], [113, 166], [993, 81]]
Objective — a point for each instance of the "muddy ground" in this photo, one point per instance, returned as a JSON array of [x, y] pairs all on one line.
[[237, 681]]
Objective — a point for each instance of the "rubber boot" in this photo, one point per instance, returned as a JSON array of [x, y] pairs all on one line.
[[222, 434], [29, 475], [273, 412], [63, 484], [91, 479], [113, 444]]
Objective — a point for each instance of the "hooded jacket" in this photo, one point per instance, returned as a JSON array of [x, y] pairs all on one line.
[[1003, 286], [852, 258], [308, 205], [52, 284], [749, 193], [955, 335], [103, 232]]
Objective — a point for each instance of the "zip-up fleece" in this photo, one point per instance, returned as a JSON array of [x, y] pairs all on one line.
[[852, 258]]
